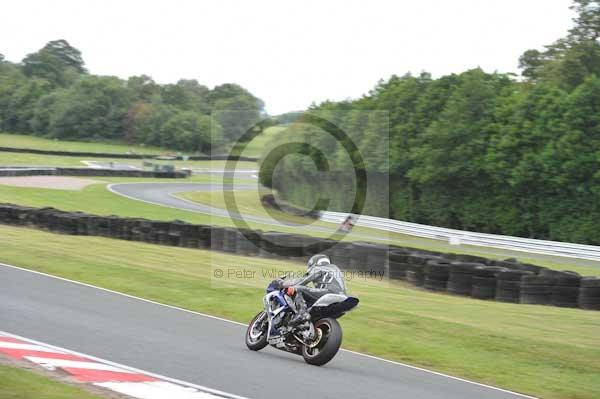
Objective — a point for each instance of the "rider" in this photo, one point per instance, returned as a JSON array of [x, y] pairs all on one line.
[[347, 224], [326, 278]]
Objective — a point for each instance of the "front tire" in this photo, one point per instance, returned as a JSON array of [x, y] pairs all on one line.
[[256, 334], [328, 345]]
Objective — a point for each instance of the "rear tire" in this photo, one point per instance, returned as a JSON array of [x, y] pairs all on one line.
[[329, 344], [256, 342]]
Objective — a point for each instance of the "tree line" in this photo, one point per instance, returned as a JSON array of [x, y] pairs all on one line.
[[489, 152], [51, 93]]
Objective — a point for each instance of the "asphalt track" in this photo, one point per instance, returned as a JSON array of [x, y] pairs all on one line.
[[201, 349], [165, 194]]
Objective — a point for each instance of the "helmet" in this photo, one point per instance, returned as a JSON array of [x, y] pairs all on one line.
[[318, 260]]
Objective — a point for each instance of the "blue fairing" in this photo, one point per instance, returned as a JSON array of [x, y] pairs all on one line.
[[272, 287], [281, 299]]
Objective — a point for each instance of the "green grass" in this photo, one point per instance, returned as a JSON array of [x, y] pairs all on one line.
[[22, 159], [248, 203], [546, 351], [16, 383], [41, 143], [96, 199], [258, 146]]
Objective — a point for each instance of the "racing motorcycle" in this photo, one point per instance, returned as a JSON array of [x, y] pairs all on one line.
[[317, 340]]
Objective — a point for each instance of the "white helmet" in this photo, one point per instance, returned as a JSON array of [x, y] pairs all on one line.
[[318, 260]]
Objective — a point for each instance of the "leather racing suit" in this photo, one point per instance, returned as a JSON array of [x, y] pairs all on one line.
[[325, 279]]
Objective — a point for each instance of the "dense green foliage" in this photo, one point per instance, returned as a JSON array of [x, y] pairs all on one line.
[[50, 93], [479, 151]]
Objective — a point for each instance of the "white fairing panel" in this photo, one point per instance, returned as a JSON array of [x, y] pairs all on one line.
[[328, 299]]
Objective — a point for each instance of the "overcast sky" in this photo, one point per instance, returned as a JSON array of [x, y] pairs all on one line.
[[289, 53]]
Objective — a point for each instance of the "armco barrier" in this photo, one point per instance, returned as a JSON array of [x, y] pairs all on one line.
[[507, 280], [125, 156], [458, 237], [90, 172]]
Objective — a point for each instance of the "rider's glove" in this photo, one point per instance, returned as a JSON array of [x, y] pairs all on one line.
[[291, 291]]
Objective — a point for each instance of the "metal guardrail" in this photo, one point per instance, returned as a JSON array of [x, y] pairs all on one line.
[[458, 237]]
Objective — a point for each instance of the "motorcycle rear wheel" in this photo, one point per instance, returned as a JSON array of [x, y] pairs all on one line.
[[254, 340], [328, 345]]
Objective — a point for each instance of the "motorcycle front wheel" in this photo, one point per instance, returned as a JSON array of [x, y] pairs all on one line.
[[256, 334], [326, 347]]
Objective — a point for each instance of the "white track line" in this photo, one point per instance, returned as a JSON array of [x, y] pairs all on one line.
[[26, 347], [121, 367], [173, 195], [245, 325], [75, 364], [110, 188], [155, 390]]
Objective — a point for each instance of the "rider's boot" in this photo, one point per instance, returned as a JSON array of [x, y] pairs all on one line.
[[302, 314], [299, 318]]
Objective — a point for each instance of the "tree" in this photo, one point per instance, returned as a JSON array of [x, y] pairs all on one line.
[[43, 112], [229, 90], [570, 67], [142, 88], [236, 115], [23, 102], [188, 95], [532, 63], [587, 21], [50, 93], [190, 131], [58, 62], [568, 61], [11, 79], [144, 123], [93, 107]]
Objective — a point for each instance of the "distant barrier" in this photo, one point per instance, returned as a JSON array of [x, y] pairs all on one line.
[[91, 172], [126, 156], [457, 274], [459, 237]]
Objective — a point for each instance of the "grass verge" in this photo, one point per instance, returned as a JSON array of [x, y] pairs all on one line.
[[96, 199], [260, 144], [545, 351], [24, 159], [42, 143], [16, 383], [248, 203]]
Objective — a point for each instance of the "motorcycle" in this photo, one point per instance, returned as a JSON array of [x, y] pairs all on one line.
[[317, 340]]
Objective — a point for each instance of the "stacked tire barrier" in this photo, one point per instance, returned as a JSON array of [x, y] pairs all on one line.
[[589, 293], [437, 273], [484, 282], [508, 285], [460, 279], [126, 156], [476, 277], [398, 264], [551, 287], [415, 272], [91, 172]]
